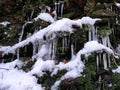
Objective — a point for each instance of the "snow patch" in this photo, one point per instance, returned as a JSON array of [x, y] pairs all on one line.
[[45, 17], [4, 23], [17, 80], [116, 70]]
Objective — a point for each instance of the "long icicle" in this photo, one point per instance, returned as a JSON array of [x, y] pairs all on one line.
[[20, 38]]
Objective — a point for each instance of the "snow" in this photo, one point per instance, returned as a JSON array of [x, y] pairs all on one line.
[[40, 66], [45, 17], [118, 49], [74, 67], [13, 79], [116, 70], [4, 23], [42, 52], [17, 80], [117, 4], [11, 65], [4, 48], [55, 86], [92, 46], [88, 20], [72, 73]]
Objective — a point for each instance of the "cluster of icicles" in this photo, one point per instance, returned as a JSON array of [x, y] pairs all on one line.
[[44, 51]]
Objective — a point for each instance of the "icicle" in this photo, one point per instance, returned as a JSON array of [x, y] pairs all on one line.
[[97, 58], [18, 52], [69, 39], [92, 33], [57, 6], [32, 14], [53, 50], [104, 40], [99, 83], [50, 50], [105, 61], [72, 52], [117, 20], [63, 44], [54, 46], [21, 35], [89, 34], [66, 42], [109, 44], [34, 48], [62, 6], [109, 61]]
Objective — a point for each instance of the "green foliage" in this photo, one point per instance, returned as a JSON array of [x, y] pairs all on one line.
[[73, 84], [116, 81], [68, 15], [7, 34], [103, 31]]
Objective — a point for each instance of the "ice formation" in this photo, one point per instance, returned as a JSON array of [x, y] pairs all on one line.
[[47, 47]]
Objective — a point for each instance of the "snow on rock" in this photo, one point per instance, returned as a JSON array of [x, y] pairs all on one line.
[[4, 23], [116, 70], [17, 80], [41, 66], [46, 17]]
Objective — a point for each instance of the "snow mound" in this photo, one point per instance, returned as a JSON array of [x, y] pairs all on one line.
[[17, 80], [40, 66]]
